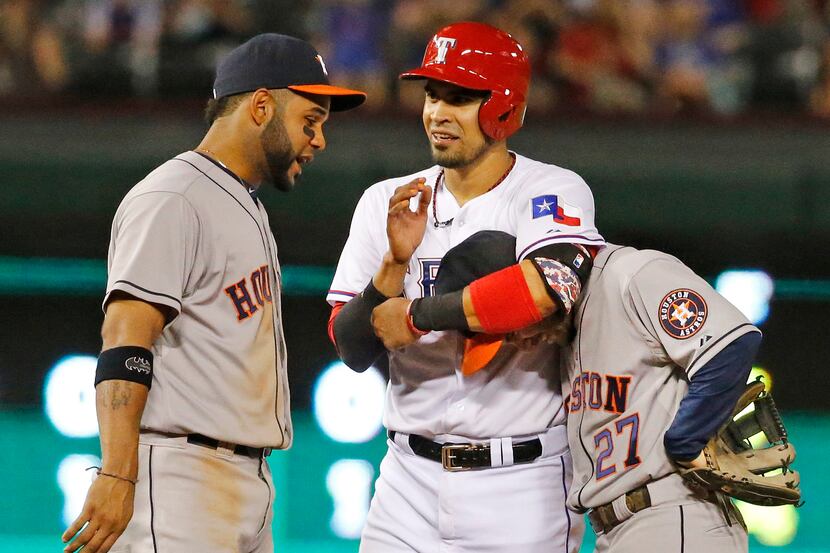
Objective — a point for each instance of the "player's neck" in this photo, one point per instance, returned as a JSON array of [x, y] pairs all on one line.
[[477, 178], [225, 152]]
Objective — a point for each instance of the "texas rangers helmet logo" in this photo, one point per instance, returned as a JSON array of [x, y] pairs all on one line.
[[442, 44], [682, 313]]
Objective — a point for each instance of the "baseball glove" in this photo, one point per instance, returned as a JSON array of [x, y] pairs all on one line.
[[740, 470]]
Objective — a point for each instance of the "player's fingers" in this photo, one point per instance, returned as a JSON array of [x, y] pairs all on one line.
[[101, 537], [416, 182], [399, 207], [75, 527], [406, 191], [82, 538], [423, 202], [108, 543], [94, 545], [404, 196]]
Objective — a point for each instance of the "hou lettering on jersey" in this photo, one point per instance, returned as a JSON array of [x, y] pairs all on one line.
[[246, 304]]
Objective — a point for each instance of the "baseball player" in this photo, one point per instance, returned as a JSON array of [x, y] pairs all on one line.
[[191, 385], [657, 364], [476, 461], [655, 367]]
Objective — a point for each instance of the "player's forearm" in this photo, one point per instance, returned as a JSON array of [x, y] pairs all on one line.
[[355, 340], [120, 404], [133, 324], [505, 301], [536, 292], [389, 278], [712, 394]]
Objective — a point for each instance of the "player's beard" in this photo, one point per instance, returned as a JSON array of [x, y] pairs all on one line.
[[279, 154], [454, 160]]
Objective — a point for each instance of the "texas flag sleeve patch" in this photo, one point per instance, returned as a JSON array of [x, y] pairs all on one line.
[[552, 206]]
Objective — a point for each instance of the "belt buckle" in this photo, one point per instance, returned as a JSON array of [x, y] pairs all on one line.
[[448, 455]]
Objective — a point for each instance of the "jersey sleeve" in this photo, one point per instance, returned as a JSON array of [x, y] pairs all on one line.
[[555, 209], [364, 249], [153, 249], [691, 320]]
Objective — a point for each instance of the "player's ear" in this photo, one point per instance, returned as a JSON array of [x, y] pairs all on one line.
[[261, 106]]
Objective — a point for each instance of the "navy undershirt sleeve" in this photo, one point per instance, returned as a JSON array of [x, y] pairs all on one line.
[[713, 392]]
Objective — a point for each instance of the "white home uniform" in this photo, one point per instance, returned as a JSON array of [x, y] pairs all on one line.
[[644, 325], [419, 506], [190, 237]]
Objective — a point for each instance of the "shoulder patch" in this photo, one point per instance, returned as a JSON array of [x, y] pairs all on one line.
[[682, 313], [555, 207]]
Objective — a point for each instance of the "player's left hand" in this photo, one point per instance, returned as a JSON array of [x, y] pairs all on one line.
[[698, 463], [390, 324], [552, 330], [105, 515]]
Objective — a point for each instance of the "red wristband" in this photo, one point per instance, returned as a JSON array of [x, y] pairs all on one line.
[[503, 302], [411, 325]]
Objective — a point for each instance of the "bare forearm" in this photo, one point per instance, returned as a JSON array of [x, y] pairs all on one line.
[[390, 277], [120, 404]]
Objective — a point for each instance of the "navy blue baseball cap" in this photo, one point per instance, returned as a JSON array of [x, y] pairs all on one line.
[[272, 60]]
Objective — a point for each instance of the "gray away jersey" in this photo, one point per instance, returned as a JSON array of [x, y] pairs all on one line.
[[191, 238], [644, 325]]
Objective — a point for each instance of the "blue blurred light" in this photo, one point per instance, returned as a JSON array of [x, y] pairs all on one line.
[[748, 290]]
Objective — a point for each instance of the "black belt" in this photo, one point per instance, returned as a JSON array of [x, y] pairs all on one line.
[[603, 519], [253, 452], [456, 457]]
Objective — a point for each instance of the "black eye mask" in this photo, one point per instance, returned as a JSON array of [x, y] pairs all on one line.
[[309, 132]]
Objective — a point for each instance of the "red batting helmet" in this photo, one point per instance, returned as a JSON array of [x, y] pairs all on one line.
[[481, 57]]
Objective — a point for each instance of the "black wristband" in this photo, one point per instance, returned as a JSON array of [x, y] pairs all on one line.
[[132, 363], [441, 312]]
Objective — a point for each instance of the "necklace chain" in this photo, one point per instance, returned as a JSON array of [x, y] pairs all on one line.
[[440, 178], [212, 156]]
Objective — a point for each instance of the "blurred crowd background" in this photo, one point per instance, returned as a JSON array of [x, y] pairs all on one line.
[[721, 58]]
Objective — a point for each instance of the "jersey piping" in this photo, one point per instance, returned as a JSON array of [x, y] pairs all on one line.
[[134, 285], [267, 250], [567, 511], [557, 238], [579, 352], [152, 507], [713, 344]]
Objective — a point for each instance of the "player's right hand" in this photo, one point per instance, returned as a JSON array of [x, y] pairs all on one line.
[[404, 227], [106, 513], [389, 321]]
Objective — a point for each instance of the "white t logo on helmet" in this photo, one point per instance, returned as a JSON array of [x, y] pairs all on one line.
[[443, 44]]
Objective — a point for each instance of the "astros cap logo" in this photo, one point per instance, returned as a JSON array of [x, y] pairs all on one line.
[[443, 43], [682, 313], [319, 58]]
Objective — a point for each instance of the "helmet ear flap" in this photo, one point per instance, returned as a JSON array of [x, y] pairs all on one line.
[[499, 117]]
